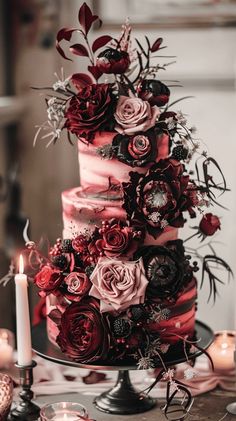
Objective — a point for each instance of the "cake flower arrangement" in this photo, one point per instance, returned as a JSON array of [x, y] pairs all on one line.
[[118, 285]]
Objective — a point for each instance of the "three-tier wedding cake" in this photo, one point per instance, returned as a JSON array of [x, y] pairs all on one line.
[[120, 285]]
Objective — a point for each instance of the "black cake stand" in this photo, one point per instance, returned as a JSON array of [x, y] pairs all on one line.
[[123, 398]]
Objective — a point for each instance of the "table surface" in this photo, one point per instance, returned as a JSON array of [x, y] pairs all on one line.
[[208, 407]]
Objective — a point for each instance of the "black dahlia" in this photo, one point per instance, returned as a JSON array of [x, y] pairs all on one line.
[[167, 269], [159, 197]]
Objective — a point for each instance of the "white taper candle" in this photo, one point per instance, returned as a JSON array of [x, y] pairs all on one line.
[[24, 346]]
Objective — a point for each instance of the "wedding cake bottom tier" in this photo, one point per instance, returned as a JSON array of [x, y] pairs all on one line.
[[169, 328]]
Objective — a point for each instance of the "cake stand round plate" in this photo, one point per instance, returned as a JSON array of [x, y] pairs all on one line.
[[123, 398]]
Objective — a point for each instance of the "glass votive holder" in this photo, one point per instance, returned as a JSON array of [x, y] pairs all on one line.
[[64, 411], [222, 351], [6, 395], [7, 343]]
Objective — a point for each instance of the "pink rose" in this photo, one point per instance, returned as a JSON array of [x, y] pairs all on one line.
[[78, 285], [135, 115], [118, 284]]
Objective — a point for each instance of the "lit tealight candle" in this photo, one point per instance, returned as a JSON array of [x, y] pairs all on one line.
[[24, 347], [64, 411], [222, 351], [6, 353], [66, 417]]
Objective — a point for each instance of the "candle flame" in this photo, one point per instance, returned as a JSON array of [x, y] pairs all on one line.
[[21, 264]]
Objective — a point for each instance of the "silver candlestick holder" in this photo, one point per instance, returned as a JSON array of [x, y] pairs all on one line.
[[26, 410], [231, 408]]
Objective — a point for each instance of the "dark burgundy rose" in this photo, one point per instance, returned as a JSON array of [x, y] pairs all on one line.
[[159, 197], [113, 240], [209, 224], [154, 91], [78, 285], [136, 150], [166, 268], [83, 333], [113, 61], [84, 256], [90, 110], [48, 279]]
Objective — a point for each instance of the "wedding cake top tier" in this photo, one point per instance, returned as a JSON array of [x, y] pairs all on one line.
[[101, 171]]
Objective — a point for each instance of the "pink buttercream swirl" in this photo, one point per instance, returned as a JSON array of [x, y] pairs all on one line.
[[134, 115], [118, 284]]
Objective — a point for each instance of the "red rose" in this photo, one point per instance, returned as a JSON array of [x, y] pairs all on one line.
[[91, 109], [113, 61], [83, 333], [48, 279], [78, 285], [113, 240], [209, 224]]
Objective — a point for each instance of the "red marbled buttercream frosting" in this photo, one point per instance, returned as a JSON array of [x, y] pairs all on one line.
[[181, 319], [83, 209], [99, 198], [96, 171]]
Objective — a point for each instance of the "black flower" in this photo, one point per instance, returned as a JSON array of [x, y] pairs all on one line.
[[167, 269], [154, 91], [159, 197]]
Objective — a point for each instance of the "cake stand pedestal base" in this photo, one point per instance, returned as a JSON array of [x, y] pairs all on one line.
[[123, 399]]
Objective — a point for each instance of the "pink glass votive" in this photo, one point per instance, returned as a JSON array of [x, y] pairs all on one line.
[[7, 341], [222, 351], [6, 395], [64, 411]]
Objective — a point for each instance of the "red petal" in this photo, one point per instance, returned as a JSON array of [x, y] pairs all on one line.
[[79, 50], [86, 18], [95, 72], [81, 80], [156, 45], [100, 42]]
